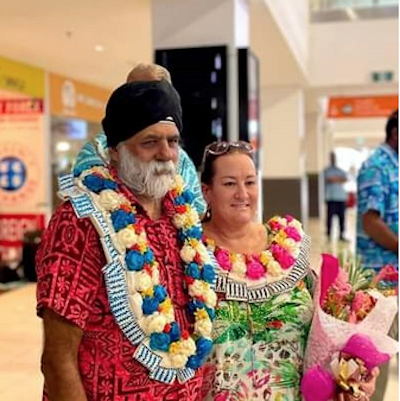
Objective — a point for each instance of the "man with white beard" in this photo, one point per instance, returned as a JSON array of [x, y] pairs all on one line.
[[96, 150], [125, 284]]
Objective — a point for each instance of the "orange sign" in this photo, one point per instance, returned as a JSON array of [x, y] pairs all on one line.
[[71, 98], [362, 106]]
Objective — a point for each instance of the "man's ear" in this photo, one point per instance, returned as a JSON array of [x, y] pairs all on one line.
[[113, 154]]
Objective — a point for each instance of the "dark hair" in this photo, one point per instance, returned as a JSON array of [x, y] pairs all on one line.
[[392, 122], [210, 155]]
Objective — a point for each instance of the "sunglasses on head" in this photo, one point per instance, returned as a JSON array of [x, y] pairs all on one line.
[[219, 148]]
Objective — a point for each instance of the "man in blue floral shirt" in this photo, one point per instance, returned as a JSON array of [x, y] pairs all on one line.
[[378, 203], [378, 217]]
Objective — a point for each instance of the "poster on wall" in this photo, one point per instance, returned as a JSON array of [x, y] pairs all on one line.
[[22, 155]]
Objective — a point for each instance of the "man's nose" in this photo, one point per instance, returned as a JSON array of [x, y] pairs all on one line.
[[165, 152]]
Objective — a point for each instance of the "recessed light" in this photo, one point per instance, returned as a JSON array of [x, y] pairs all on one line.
[[99, 48]]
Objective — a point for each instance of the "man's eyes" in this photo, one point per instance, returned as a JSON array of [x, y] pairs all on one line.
[[154, 142], [149, 144]]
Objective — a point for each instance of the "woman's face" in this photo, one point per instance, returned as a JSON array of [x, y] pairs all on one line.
[[233, 194]]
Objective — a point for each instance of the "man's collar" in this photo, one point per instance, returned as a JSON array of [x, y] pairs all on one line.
[[393, 155]]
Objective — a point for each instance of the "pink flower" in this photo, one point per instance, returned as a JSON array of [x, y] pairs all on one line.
[[341, 284], [291, 232], [275, 225], [282, 256], [352, 318], [388, 272], [359, 301], [222, 396], [223, 259], [255, 270], [289, 218]]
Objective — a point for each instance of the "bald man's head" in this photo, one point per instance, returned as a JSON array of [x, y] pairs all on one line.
[[149, 72]]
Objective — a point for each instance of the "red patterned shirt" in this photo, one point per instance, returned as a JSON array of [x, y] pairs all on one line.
[[71, 283]]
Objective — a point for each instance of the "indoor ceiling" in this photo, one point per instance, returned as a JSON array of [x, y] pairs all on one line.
[[61, 37]]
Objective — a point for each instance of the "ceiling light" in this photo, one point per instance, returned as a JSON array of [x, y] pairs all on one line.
[[99, 48], [63, 146]]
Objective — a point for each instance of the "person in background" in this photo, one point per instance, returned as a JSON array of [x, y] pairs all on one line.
[[96, 151], [335, 197], [263, 286], [378, 215], [125, 318]]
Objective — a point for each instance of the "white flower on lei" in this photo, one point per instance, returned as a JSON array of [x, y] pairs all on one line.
[[179, 220], [202, 250], [154, 323], [297, 225], [143, 281], [110, 200], [192, 217], [210, 298], [169, 315], [187, 253], [281, 220], [155, 273], [203, 327], [188, 346], [274, 269], [178, 360], [127, 237], [196, 289], [239, 266], [292, 246]]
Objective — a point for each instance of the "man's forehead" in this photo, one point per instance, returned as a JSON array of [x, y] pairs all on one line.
[[163, 129]]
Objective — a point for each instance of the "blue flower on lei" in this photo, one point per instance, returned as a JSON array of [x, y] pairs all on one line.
[[134, 260], [120, 219], [203, 348], [208, 273], [160, 341], [193, 270], [97, 184], [150, 305], [160, 293]]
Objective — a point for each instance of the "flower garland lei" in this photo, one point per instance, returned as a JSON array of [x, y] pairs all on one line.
[[284, 236], [149, 300]]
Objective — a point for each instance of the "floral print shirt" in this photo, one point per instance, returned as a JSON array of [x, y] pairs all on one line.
[[71, 283], [259, 346], [378, 189]]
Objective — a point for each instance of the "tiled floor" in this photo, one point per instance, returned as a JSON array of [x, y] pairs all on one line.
[[20, 332]]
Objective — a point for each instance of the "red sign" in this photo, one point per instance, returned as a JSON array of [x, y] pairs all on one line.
[[12, 230], [362, 106], [21, 106]]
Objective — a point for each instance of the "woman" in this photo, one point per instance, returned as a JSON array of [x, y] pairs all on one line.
[[264, 287]]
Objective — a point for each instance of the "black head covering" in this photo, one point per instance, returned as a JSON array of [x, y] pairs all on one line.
[[135, 106]]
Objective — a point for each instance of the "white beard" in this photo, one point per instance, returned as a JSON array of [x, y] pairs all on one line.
[[152, 179]]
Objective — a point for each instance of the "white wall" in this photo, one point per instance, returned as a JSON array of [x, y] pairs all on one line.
[[292, 17], [282, 124], [189, 23], [346, 53]]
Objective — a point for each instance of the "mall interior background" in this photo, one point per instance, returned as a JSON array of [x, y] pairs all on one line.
[[298, 78], [317, 75]]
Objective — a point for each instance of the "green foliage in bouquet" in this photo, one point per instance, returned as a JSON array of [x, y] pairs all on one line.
[[359, 278]]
